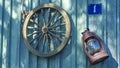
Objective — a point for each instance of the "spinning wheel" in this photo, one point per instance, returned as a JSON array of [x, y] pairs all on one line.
[[46, 30]]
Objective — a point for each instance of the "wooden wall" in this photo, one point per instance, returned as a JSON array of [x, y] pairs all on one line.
[[14, 54]]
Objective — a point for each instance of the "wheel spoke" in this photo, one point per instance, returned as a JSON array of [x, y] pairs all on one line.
[[52, 18], [43, 43], [34, 22], [35, 32], [56, 20], [47, 43], [57, 31], [40, 23], [35, 38], [30, 27], [40, 38], [43, 15], [46, 38], [56, 36], [49, 17], [51, 46], [56, 26], [49, 10]]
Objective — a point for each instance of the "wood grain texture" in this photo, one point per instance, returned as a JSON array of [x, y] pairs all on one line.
[[23, 52], [118, 32], [14, 34], [1, 31], [68, 54], [13, 51], [81, 26], [6, 33], [112, 34]]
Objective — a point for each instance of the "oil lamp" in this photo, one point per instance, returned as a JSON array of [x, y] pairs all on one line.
[[93, 47]]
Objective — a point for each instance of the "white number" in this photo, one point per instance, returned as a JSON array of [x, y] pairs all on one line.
[[94, 9]]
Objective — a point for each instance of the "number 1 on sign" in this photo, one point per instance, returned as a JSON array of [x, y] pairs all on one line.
[[94, 9]]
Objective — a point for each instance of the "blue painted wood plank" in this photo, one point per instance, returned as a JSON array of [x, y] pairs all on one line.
[[80, 26], [19, 35], [104, 64], [15, 34], [118, 32], [6, 34], [1, 31], [24, 55], [68, 55], [111, 34], [24, 52]]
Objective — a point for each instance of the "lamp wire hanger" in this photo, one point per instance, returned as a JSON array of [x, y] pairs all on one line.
[[87, 23]]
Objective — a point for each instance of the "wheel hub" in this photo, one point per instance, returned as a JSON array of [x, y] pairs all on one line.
[[44, 29]]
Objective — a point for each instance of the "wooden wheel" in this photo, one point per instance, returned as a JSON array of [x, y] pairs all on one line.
[[46, 30]]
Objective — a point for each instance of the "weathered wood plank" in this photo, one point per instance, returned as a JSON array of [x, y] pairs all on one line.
[[19, 22], [1, 31], [104, 8], [111, 34], [6, 33], [24, 53], [81, 26], [118, 32], [15, 34], [68, 55]]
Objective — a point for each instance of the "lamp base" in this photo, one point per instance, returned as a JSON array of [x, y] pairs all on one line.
[[98, 57]]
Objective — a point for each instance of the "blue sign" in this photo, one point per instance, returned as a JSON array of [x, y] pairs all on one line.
[[94, 8]]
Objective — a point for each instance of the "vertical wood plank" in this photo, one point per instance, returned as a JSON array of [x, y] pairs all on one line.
[[24, 55], [118, 32], [68, 55], [6, 33], [15, 34], [1, 31], [24, 52], [81, 26], [104, 7], [111, 33], [19, 21]]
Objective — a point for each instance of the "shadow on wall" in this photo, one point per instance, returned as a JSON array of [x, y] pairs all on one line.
[[111, 62]]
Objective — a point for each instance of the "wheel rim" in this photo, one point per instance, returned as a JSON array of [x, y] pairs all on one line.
[[46, 30]]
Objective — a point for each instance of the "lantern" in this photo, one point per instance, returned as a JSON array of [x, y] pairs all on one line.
[[93, 47]]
